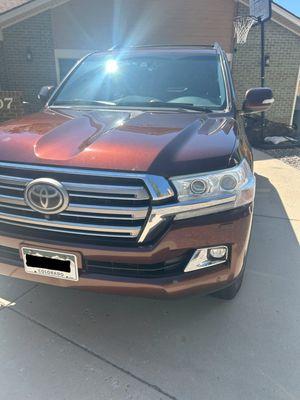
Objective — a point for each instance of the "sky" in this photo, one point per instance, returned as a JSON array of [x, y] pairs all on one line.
[[291, 5]]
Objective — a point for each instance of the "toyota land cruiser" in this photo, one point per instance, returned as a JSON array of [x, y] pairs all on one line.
[[135, 178]]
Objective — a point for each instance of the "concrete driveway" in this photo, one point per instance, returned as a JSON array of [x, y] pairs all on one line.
[[66, 344]]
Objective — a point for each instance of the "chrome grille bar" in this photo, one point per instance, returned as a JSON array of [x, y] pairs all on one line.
[[134, 212], [126, 192], [73, 232], [10, 188], [12, 200], [119, 217], [104, 191], [102, 203], [131, 231], [16, 181]]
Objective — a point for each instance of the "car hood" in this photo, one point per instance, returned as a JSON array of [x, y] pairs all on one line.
[[166, 143]]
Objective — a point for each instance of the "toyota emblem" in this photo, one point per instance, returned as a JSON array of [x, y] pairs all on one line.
[[46, 196]]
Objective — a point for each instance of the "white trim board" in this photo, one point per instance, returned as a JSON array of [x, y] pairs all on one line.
[[284, 13], [72, 53], [28, 10], [65, 54], [295, 98]]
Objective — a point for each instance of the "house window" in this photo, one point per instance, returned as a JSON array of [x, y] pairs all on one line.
[[65, 64], [65, 59]]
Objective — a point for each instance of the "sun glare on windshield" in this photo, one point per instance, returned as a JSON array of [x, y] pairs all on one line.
[[111, 66]]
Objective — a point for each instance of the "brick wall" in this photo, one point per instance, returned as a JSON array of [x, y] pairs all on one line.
[[34, 34], [283, 47], [11, 105], [2, 67], [143, 21]]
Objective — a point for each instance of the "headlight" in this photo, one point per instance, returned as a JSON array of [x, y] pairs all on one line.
[[238, 181], [203, 194]]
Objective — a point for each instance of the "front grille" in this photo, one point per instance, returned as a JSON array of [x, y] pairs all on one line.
[[102, 205], [167, 268], [172, 267]]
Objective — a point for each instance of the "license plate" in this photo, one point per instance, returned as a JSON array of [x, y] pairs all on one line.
[[53, 264]]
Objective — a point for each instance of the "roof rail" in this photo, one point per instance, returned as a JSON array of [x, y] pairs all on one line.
[[214, 46], [217, 47], [173, 45]]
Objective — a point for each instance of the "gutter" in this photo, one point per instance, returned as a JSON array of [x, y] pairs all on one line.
[[27, 10]]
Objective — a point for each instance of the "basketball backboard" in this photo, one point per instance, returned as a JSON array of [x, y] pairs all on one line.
[[261, 9]]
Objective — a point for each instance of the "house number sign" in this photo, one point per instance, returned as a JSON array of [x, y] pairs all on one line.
[[5, 103]]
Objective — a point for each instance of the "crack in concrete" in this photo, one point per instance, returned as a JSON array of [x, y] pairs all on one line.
[[94, 354], [13, 302]]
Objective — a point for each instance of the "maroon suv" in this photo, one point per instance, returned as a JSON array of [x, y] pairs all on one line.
[[135, 178]]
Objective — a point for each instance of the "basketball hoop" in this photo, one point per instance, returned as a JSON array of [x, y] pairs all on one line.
[[242, 26]]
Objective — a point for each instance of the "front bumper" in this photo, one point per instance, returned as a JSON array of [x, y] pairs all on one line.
[[231, 228]]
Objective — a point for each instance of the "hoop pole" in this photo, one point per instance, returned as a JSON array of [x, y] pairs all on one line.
[[262, 70], [262, 62]]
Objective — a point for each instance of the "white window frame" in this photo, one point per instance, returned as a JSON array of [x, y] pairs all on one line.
[[67, 54], [295, 98]]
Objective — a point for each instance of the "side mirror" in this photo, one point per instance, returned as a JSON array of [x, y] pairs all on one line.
[[45, 94], [258, 100]]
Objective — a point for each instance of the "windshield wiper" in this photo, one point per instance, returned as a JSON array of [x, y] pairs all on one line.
[[162, 104], [79, 102], [152, 104]]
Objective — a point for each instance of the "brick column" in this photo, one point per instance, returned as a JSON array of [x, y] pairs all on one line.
[[29, 56]]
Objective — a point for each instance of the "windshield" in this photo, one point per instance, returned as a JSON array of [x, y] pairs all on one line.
[[164, 81]]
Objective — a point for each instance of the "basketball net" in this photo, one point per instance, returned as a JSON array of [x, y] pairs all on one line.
[[242, 26]]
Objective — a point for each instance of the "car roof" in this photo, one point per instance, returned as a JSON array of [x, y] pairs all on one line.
[[167, 49]]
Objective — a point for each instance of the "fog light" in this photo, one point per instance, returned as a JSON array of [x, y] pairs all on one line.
[[208, 257], [218, 252]]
